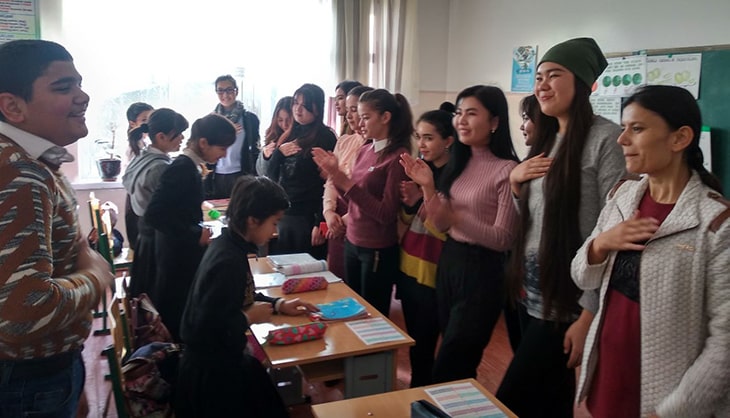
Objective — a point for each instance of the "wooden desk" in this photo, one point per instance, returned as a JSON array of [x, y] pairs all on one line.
[[367, 369], [390, 405]]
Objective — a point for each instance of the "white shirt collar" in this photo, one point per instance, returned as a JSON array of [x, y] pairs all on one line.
[[380, 144], [196, 159], [36, 146]]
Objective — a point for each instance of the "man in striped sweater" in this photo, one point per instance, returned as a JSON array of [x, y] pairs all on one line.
[[49, 277]]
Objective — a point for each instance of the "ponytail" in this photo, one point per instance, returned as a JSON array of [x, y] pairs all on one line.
[[696, 161], [400, 128], [135, 137]]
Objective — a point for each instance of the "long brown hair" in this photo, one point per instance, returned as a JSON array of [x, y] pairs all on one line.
[[274, 131], [560, 237]]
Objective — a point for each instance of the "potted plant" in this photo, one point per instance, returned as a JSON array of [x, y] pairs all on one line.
[[109, 163]]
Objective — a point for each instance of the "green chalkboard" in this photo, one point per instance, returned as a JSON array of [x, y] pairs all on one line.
[[714, 101]]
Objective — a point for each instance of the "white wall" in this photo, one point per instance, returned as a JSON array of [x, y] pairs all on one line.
[[482, 33]]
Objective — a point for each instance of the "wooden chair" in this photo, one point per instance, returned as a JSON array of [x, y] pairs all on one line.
[[116, 353]]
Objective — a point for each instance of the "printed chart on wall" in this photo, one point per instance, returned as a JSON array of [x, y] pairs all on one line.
[[18, 20], [523, 68], [622, 76], [682, 70], [627, 73]]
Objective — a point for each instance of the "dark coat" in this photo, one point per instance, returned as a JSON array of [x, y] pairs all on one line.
[[175, 214], [216, 377]]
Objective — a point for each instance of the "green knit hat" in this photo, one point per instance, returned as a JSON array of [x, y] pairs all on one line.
[[582, 56]]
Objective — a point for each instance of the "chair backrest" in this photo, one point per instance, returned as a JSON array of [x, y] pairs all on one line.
[[126, 326], [115, 354]]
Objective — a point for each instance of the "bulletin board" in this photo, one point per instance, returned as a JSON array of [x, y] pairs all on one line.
[[714, 101], [19, 20]]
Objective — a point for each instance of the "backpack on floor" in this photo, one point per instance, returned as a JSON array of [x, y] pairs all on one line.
[[149, 379]]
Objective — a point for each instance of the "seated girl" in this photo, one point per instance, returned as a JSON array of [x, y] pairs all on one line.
[[217, 378]]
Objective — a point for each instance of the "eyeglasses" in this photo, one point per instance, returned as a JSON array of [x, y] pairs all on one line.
[[229, 90]]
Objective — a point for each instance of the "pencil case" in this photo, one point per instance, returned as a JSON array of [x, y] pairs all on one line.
[[296, 334], [303, 284]]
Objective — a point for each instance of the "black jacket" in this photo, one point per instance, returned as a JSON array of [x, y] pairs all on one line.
[[251, 145]]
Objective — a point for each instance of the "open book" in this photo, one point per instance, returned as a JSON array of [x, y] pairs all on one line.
[[299, 263], [294, 266]]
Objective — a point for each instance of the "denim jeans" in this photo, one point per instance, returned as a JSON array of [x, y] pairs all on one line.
[[53, 396]]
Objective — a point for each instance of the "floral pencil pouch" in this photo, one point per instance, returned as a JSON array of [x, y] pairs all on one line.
[[297, 334], [303, 284]]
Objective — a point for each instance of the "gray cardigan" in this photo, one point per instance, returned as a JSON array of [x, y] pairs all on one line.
[[602, 166], [685, 303]]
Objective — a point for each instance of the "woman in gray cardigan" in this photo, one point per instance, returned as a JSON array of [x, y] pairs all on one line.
[[660, 254]]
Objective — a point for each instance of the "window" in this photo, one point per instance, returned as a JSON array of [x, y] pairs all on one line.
[[168, 54]]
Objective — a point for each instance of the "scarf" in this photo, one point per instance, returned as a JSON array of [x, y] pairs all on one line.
[[234, 115]]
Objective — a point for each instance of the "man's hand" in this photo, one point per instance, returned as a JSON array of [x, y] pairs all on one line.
[[90, 260]]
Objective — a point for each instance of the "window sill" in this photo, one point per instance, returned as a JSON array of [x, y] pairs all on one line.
[[96, 185]]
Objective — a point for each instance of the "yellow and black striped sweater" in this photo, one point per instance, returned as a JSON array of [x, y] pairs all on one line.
[[45, 304]]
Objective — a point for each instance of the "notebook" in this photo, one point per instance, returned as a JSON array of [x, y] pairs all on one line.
[[340, 309]]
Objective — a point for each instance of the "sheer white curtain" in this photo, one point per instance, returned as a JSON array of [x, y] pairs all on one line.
[[390, 47], [168, 53]]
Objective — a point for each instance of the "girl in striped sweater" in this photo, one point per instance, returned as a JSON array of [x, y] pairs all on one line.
[[421, 246]]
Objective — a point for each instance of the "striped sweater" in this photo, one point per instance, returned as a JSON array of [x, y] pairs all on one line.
[[45, 304]]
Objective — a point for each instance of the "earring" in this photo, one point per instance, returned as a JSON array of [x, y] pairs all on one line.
[[494, 130]]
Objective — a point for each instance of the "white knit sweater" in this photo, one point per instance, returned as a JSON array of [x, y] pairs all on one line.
[[684, 303]]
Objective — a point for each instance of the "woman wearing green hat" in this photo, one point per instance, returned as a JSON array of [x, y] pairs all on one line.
[[560, 193]]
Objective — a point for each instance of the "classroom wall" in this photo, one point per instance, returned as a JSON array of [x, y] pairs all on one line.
[[481, 35], [466, 42]]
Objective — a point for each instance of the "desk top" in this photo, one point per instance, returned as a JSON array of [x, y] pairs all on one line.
[[395, 404], [124, 260], [339, 341]]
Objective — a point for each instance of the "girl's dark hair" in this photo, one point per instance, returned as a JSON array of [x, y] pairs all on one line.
[[162, 120], [531, 107], [400, 129], [312, 97], [217, 129], [226, 77], [500, 142], [678, 108], [257, 197], [441, 120], [448, 107], [273, 132], [359, 90], [346, 86], [134, 110], [560, 237]]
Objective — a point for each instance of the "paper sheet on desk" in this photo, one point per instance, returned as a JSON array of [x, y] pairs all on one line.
[[374, 331], [463, 400], [266, 280]]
